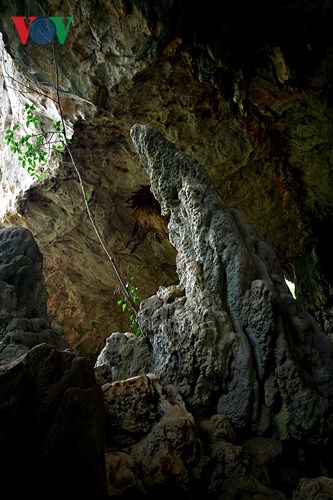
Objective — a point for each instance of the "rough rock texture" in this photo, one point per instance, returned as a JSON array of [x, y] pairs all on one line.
[[24, 322], [313, 488], [248, 369], [134, 438], [124, 355], [154, 448], [244, 88], [230, 335], [52, 434]]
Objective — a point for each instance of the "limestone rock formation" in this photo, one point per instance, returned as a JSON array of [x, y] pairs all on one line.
[[251, 369], [124, 355], [311, 488], [156, 450], [169, 432], [244, 88], [24, 322], [51, 408], [232, 337]]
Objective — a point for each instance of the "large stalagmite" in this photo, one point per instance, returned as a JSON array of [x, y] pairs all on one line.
[[230, 335]]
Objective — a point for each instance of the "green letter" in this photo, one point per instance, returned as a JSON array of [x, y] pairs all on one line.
[[60, 28]]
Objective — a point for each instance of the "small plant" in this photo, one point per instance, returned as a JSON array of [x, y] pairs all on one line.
[[126, 305], [33, 150]]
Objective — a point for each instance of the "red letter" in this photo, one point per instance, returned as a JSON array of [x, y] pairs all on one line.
[[21, 28]]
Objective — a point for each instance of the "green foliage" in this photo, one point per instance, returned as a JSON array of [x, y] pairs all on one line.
[[33, 150], [125, 305]]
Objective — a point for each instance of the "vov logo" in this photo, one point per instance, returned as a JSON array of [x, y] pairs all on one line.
[[42, 30]]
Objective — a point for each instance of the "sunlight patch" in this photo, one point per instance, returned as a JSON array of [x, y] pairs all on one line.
[[291, 287]]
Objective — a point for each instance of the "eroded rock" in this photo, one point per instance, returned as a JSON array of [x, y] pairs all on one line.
[[156, 449], [124, 356], [236, 341], [24, 322], [51, 408], [314, 488], [152, 444]]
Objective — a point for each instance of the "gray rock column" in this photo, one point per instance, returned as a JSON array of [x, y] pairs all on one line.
[[230, 335]]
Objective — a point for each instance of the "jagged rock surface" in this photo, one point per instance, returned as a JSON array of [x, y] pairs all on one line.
[[24, 322], [230, 336], [51, 408], [156, 450], [157, 441], [314, 488], [252, 370], [250, 86]]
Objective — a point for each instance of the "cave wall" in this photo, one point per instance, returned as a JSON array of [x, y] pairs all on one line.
[[244, 89]]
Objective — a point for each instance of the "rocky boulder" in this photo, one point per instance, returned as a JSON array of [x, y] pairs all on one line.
[[24, 322], [51, 408]]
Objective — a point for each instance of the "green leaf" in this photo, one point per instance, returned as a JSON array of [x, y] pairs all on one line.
[[16, 126], [124, 306]]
